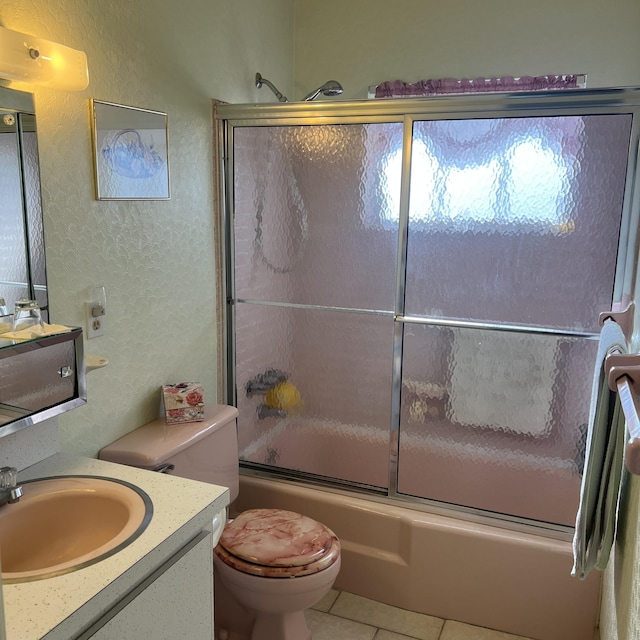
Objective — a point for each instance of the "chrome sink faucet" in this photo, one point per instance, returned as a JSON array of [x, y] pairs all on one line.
[[9, 490]]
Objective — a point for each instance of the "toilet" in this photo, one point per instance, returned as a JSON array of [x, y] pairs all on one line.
[[269, 564]]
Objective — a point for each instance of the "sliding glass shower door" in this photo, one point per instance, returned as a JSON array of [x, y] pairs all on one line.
[[414, 297], [315, 274], [511, 253]]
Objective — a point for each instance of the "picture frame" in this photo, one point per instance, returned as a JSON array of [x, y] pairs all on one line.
[[130, 152]]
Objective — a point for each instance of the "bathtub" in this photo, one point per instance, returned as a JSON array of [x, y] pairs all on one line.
[[512, 581], [535, 478]]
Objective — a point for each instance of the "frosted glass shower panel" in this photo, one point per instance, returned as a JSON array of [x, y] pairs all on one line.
[[309, 398], [495, 420], [310, 223], [519, 216]]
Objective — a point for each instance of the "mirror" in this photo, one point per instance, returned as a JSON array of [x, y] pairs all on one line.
[[45, 376], [22, 255]]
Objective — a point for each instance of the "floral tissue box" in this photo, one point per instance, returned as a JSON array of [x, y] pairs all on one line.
[[183, 402]]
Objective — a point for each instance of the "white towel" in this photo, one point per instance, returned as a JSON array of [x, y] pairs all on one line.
[[502, 381], [597, 511]]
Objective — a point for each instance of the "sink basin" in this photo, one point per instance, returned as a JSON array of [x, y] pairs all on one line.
[[65, 523]]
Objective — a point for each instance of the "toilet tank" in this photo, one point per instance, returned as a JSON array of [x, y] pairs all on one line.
[[206, 451]]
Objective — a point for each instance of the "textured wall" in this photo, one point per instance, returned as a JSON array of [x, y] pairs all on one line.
[[156, 259], [365, 42]]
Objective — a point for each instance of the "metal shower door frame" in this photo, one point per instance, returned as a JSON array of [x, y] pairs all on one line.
[[526, 104]]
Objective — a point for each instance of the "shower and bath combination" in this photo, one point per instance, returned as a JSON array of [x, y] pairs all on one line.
[[429, 378], [314, 307], [329, 88]]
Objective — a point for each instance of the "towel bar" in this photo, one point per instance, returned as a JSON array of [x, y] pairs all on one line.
[[623, 318], [623, 371]]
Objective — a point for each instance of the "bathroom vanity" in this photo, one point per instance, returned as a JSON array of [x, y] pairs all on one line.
[[159, 586]]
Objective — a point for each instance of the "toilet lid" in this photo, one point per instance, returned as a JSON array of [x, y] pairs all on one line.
[[274, 542]]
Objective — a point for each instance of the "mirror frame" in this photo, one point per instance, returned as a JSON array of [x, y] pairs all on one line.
[[20, 102]]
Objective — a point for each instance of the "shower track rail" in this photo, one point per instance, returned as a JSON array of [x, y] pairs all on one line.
[[441, 322]]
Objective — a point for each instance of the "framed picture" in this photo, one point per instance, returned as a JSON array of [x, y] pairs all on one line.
[[130, 152]]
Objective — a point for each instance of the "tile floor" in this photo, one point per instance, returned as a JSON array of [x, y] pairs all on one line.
[[344, 616]]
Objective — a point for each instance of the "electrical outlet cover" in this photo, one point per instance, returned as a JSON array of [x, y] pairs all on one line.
[[95, 325]]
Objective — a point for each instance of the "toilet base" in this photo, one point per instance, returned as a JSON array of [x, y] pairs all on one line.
[[240, 603], [288, 626], [235, 622]]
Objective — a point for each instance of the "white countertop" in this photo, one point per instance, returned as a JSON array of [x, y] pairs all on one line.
[[181, 507]]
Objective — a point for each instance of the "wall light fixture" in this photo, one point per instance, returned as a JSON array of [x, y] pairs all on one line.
[[34, 60]]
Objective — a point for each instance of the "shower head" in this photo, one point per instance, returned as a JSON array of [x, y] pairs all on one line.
[[329, 88], [260, 81]]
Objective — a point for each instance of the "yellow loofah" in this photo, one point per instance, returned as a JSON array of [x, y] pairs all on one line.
[[283, 396]]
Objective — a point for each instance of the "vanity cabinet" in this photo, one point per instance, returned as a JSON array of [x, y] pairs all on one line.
[[175, 601], [40, 378], [160, 586]]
